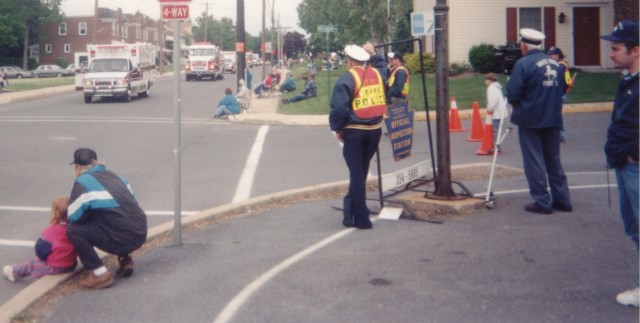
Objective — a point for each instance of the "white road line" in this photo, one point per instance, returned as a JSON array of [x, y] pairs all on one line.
[[232, 307], [243, 190], [44, 209], [17, 243]]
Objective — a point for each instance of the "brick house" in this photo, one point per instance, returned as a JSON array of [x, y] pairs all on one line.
[[73, 34], [574, 26]]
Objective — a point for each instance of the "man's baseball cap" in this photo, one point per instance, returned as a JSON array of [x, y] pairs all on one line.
[[531, 36], [357, 53], [398, 56], [557, 51], [84, 156], [626, 31]]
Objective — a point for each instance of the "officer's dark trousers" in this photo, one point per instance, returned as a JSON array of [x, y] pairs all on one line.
[[359, 148], [541, 157], [85, 236]]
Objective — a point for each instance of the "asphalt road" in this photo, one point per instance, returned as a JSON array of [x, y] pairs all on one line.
[[136, 140]]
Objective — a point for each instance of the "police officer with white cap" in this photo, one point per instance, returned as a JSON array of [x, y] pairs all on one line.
[[535, 91], [357, 108]]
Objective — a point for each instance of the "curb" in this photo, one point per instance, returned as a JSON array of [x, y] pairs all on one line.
[[43, 285]]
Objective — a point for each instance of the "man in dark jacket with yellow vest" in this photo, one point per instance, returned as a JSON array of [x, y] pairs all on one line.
[[398, 80], [357, 106], [535, 91]]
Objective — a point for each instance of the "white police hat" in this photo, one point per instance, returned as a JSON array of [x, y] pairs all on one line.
[[357, 53], [531, 36]]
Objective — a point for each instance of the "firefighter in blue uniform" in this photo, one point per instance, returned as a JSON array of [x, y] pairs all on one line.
[[357, 108], [535, 91]]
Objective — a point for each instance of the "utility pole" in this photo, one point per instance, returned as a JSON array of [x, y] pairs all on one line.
[[263, 46], [95, 21], [443, 187], [161, 44], [273, 27], [206, 23], [240, 42]]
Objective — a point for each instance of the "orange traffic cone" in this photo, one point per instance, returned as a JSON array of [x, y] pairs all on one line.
[[486, 146], [454, 117], [476, 124]]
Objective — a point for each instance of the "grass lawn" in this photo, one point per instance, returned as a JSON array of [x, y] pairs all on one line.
[[38, 83], [589, 87]]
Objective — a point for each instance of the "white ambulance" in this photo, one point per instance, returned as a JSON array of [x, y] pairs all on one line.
[[204, 61], [119, 71]]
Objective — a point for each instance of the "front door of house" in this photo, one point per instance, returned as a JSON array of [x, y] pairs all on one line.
[[586, 36]]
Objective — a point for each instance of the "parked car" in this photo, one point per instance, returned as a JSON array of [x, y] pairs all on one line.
[[14, 72], [51, 71]]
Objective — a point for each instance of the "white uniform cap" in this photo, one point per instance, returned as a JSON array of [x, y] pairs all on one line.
[[357, 53], [390, 54], [531, 36]]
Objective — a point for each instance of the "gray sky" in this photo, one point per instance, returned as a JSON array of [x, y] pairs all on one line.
[[285, 9]]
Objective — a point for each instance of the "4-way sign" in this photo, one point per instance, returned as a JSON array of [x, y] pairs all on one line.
[[174, 9]]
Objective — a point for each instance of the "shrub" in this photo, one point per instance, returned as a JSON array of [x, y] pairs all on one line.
[[459, 68], [483, 59], [62, 62], [412, 62]]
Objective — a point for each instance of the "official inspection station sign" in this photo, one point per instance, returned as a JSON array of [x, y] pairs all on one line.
[[400, 129]]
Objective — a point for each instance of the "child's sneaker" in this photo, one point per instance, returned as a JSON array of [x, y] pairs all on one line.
[[8, 272]]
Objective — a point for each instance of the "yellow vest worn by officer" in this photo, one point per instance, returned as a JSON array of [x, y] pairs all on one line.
[[392, 79], [369, 99]]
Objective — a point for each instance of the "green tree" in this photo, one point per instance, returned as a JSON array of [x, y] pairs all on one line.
[[220, 32], [357, 21], [293, 43], [26, 22]]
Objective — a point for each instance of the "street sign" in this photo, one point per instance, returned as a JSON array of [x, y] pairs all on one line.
[[422, 23], [175, 11], [327, 29]]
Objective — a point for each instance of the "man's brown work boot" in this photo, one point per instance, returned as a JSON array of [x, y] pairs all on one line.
[[126, 266], [91, 281]]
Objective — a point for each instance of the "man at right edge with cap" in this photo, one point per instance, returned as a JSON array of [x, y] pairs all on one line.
[[535, 91], [103, 213], [621, 147], [357, 108]]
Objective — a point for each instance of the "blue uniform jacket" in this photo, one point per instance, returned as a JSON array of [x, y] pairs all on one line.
[[622, 135], [341, 113], [535, 91], [376, 61]]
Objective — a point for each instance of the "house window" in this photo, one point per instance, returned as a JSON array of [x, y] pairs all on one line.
[[531, 18], [62, 29], [126, 32], [67, 48], [47, 48], [114, 29], [82, 28], [137, 32]]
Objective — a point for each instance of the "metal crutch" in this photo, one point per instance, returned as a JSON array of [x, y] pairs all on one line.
[[489, 201]]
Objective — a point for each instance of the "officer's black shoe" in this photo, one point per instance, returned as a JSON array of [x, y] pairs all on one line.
[[348, 221], [364, 226], [535, 208], [563, 208]]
